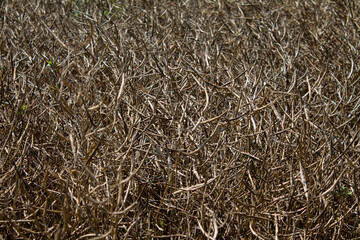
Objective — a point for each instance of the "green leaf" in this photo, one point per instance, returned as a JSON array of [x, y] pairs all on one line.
[[343, 191], [23, 108], [161, 223], [50, 62]]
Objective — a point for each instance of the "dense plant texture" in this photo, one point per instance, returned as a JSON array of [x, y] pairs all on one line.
[[182, 119]]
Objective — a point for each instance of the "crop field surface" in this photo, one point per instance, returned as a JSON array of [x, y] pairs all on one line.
[[183, 119]]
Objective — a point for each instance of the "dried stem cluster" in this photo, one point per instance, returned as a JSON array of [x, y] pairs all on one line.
[[179, 119]]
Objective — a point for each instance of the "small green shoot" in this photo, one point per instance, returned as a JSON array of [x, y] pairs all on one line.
[[23, 109], [161, 224], [54, 90], [76, 14], [114, 10], [343, 191], [51, 63]]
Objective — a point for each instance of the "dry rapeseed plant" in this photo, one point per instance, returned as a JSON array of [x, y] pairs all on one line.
[[180, 119]]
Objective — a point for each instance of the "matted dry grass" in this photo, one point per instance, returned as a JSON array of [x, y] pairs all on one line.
[[179, 119]]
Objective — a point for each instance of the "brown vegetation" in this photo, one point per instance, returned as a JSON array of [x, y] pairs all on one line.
[[217, 119]]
